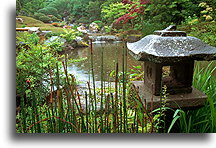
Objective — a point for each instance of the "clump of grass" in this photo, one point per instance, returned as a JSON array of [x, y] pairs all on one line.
[[202, 120]]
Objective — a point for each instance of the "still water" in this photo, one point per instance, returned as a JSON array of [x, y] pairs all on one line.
[[112, 52]]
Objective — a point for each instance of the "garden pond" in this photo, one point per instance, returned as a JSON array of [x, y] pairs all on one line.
[[111, 53]]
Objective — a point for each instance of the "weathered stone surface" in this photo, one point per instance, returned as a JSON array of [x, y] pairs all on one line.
[[33, 29], [158, 49], [54, 38], [104, 38], [183, 100]]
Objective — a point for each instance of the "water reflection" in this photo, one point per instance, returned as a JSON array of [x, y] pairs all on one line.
[[111, 53]]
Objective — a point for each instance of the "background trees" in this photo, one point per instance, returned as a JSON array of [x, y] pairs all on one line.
[[138, 14]]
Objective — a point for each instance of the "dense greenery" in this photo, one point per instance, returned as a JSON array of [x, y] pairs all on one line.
[[155, 11]]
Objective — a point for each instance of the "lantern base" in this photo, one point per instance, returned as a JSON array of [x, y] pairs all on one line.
[[184, 100]]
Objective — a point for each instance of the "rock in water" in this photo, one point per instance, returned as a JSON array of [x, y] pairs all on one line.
[[93, 27]]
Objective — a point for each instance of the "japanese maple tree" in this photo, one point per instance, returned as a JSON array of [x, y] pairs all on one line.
[[137, 9]]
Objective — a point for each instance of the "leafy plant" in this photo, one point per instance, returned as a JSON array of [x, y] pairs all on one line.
[[56, 45], [208, 12], [173, 11], [70, 35], [136, 73], [114, 11]]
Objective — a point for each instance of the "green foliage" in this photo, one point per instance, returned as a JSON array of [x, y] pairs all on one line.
[[114, 11], [191, 20], [150, 27], [56, 45], [208, 13], [203, 30], [49, 34], [29, 7], [107, 29], [136, 74], [33, 62], [54, 19], [38, 15], [168, 11], [83, 20], [70, 35], [93, 11], [28, 39], [44, 19], [48, 11], [99, 23]]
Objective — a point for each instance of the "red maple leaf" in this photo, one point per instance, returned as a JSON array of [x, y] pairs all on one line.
[[127, 2], [134, 10]]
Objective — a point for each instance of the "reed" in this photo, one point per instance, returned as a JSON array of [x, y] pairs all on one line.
[[63, 112], [202, 120]]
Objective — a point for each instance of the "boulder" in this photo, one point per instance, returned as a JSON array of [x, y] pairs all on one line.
[[19, 20], [82, 29], [93, 27], [33, 29], [79, 42]]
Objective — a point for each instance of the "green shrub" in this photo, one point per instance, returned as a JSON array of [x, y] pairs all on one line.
[[169, 11], [114, 11], [32, 64], [54, 19], [56, 45], [149, 28], [43, 11], [49, 11], [38, 15], [44, 19], [83, 20], [59, 16]]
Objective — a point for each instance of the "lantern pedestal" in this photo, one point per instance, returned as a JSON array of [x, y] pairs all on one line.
[[183, 100]]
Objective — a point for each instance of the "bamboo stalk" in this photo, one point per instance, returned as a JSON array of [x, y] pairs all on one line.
[[102, 92], [87, 113], [94, 90], [124, 90]]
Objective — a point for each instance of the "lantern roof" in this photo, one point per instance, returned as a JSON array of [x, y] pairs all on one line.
[[169, 45]]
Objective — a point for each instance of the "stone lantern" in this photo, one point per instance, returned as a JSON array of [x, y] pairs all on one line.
[[169, 57]]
